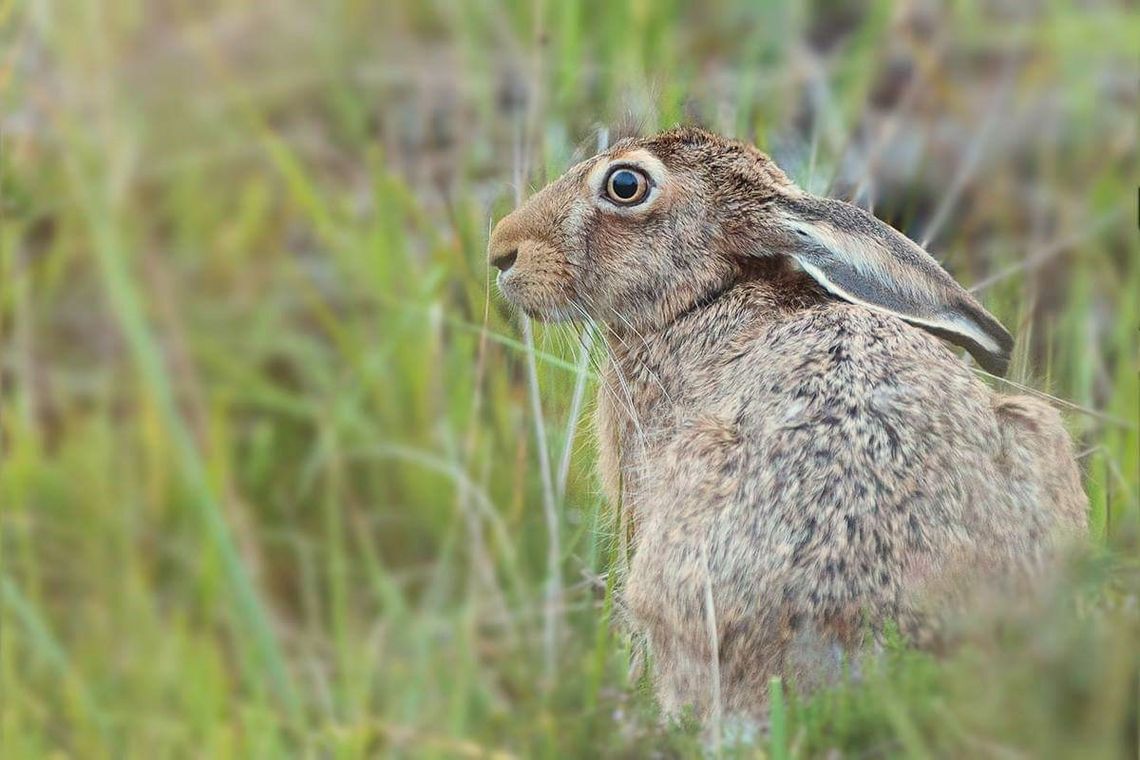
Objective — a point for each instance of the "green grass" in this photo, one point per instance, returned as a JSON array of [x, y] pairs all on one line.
[[271, 478]]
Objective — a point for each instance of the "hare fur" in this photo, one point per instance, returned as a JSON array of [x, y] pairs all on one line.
[[799, 459]]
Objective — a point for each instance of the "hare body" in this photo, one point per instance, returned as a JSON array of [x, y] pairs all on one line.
[[813, 469], [798, 459]]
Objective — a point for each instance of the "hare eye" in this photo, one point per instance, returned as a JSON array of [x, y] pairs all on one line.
[[626, 186]]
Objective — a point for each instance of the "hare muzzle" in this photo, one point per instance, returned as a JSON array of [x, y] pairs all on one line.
[[531, 248], [532, 273]]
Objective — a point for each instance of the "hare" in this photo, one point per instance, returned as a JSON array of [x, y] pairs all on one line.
[[800, 460]]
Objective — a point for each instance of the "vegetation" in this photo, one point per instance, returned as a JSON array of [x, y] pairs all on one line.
[[277, 462]]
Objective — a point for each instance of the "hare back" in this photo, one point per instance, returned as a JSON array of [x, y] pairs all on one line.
[[813, 467]]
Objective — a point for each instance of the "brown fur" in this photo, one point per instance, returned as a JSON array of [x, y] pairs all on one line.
[[815, 467]]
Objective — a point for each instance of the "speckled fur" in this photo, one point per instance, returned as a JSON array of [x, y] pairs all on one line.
[[815, 467]]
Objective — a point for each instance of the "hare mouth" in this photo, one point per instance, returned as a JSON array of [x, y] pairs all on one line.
[[536, 303], [549, 312]]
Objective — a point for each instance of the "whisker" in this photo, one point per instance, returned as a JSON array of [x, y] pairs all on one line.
[[644, 367], [1062, 402]]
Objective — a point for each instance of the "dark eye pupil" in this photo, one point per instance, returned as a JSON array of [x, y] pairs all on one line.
[[624, 185]]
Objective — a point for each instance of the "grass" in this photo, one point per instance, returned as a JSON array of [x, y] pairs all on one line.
[[282, 476]]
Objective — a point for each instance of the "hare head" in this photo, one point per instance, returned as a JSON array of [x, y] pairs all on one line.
[[656, 226]]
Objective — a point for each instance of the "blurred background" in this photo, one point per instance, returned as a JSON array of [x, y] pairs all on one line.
[[282, 475]]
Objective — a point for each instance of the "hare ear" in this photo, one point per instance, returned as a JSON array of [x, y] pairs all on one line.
[[862, 260]]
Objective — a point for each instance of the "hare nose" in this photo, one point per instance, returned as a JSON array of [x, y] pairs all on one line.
[[505, 259], [508, 236]]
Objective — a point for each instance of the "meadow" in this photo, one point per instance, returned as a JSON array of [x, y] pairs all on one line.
[[281, 475]]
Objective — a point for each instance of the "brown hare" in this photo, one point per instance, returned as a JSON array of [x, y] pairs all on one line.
[[799, 458]]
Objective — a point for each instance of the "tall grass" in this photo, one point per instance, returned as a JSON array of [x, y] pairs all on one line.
[[281, 475]]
